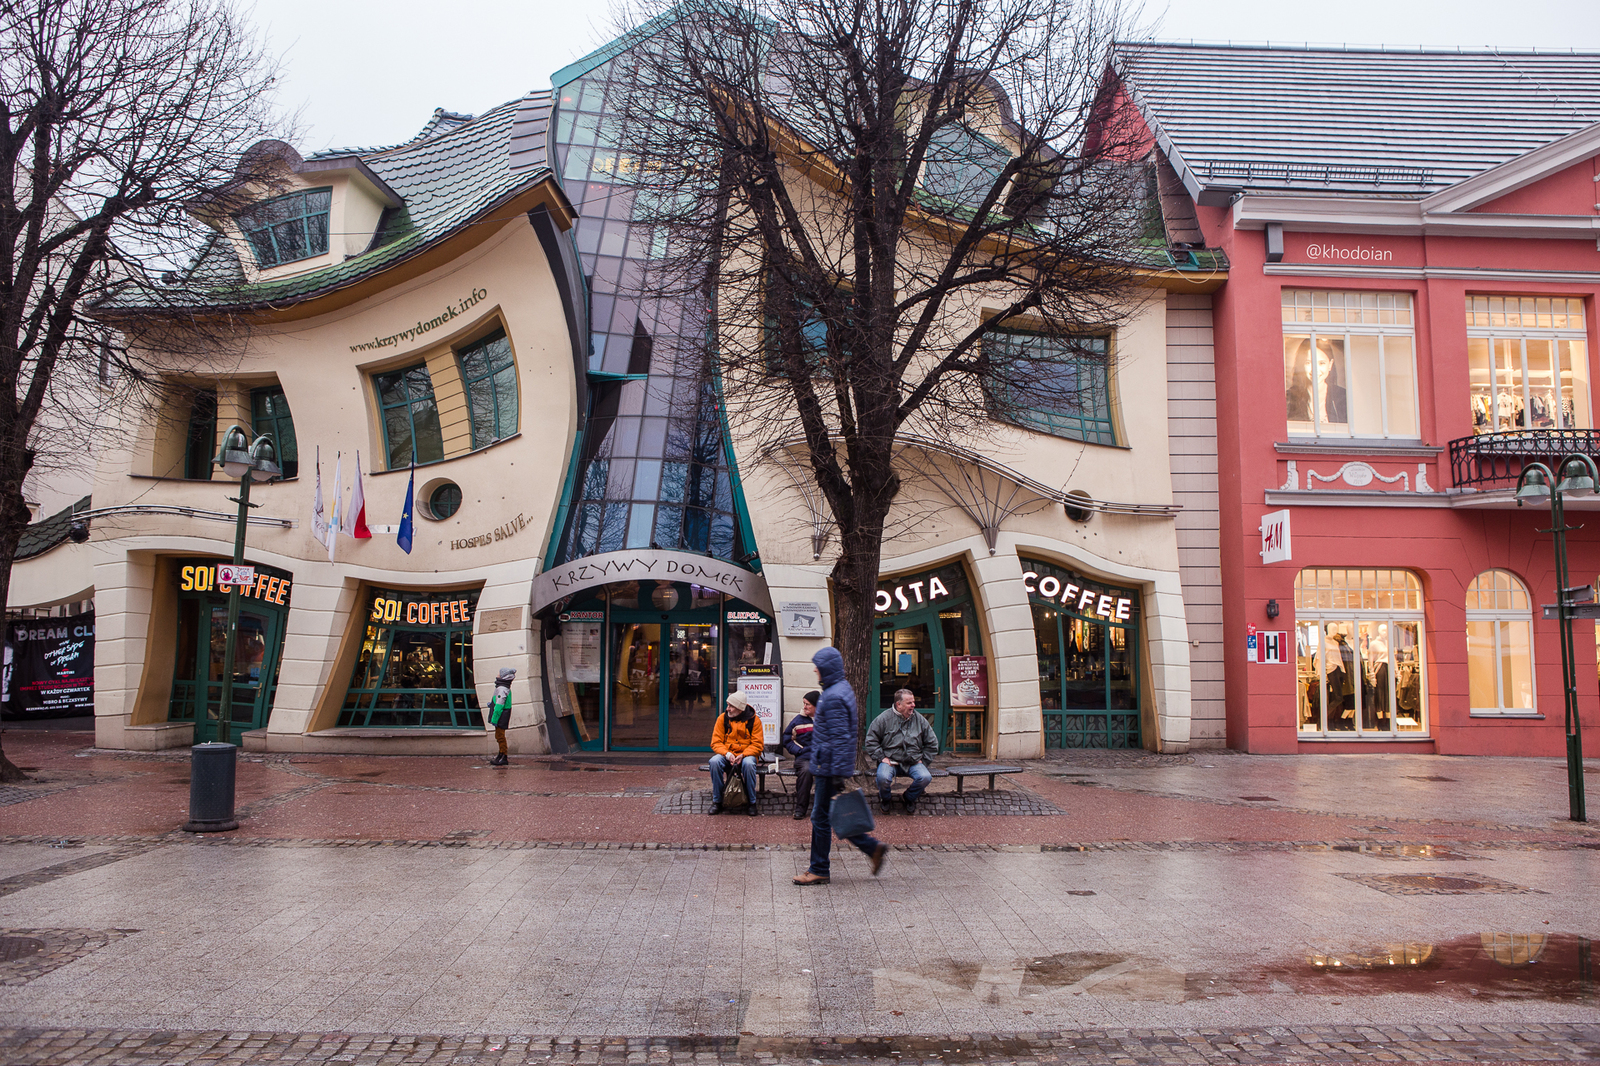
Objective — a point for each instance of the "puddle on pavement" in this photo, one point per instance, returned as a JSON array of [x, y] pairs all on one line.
[[1395, 851], [1504, 967]]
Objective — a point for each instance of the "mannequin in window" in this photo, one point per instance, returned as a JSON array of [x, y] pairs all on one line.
[[1297, 390], [1481, 422], [1540, 413], [1335, 409], [1508, 410], [1375, 692], [1342, 677]]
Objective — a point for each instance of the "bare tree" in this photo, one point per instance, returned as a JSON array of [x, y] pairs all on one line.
[[863, 194], [114, 116]]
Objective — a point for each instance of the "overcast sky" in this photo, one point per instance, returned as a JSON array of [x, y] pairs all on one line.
[[362, 73]]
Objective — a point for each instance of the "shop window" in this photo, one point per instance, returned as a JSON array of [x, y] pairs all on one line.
[[1086, 635], [489, 374], [270, 417], [414, 669], [287, 228], [1349, 364], [200, 447], [1058, 385], [1499, 644], [410, 417], [813, 336], [1529, 363], [1359, 653]]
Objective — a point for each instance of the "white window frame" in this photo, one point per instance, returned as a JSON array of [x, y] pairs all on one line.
[[1321, 616], [1504, 614], [1340, 315], [1520, 319]]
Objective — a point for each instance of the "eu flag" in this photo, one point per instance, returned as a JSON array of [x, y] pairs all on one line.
[[403, 538]]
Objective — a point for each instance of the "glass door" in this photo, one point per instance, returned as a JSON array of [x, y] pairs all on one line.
[[693, 691], [636, 685], [198, 674], [913, 657], [666, 691]]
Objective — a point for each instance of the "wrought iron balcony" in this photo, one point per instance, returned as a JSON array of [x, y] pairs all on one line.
[[1495, 460]]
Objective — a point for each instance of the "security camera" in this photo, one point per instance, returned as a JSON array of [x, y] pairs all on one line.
[[78, 531]]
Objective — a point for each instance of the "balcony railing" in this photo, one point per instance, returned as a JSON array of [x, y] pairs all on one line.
[[1495, 460]]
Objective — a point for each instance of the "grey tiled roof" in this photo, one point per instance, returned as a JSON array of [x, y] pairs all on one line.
[[45, 533], [1398, 123], [449, 175]]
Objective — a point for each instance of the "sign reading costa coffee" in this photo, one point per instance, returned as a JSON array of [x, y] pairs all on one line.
[[932, 588]]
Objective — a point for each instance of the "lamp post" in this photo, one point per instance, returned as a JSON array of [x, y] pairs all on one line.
[[211, 766], [1579, 477]]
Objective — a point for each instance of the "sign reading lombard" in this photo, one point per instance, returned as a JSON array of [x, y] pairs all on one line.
[[567, 579]]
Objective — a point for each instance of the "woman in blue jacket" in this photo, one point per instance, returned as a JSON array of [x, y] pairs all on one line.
[[833, 759]]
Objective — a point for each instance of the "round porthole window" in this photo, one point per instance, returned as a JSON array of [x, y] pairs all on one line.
[[444, 499]]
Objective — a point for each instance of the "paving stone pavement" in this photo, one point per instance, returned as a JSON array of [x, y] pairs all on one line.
[[1203, 908]]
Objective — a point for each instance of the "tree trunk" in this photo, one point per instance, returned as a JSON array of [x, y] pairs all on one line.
[[14, 519]]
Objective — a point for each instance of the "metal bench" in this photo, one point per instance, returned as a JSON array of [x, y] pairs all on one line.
[[990, 770]]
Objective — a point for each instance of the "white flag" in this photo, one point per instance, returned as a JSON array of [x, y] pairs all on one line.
[[335, 518], [319, 515]]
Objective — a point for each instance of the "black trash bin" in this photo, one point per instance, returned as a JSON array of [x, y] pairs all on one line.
[[211, 770]]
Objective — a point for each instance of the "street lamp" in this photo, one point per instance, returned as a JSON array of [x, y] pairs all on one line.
[[1579, 476], [211, 767]]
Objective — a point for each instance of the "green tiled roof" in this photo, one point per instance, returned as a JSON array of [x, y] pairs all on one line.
[[39, 537], [449, 176]]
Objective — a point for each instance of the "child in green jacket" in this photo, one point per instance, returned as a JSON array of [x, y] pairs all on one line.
[[500, 712]]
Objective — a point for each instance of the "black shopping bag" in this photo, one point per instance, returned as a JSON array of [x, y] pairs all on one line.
[[850, 814]]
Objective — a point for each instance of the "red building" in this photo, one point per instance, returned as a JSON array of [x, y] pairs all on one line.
[[1410, 316]]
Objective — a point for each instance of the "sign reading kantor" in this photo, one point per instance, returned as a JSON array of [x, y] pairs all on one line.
[[562, 581]]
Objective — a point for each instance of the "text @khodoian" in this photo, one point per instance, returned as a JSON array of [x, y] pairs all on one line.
[[1081, 600]]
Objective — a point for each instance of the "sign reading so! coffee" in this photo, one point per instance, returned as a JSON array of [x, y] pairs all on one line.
[[398, 608]]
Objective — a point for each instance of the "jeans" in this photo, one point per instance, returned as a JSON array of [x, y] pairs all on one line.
[[918, 772], [720, 769], [802, 785], [822, 829]]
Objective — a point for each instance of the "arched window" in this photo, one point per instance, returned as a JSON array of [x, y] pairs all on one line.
[[1499, 644], [1359, 655]]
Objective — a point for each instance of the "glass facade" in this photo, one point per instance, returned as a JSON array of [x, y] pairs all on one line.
[[287, 228], [1056, 385], [654, 469], [414, 669], [1359, 653], [489, 375], [410, 417], [1086, 635], [1500, 644], [1349, 364], [1528, 361], [270, 417]]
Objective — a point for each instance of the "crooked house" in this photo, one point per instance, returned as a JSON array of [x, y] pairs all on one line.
[[453, 321]]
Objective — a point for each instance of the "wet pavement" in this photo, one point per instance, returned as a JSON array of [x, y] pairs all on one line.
[[1103, 906]]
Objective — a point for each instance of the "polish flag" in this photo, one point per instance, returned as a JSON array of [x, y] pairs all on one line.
[[355, 519]]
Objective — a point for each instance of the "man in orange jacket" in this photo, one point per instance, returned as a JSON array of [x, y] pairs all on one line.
[[736, 741]]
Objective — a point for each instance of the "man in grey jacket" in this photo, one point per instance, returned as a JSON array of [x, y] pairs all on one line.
[[900, 741]]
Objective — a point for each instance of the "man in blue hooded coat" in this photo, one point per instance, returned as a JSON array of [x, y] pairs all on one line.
[[833, 760]]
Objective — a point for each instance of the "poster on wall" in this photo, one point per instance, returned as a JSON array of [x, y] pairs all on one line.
[[764, 689], [969, 681], [580, 650], [52, 672]]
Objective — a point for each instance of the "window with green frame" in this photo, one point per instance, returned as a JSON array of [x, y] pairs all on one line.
[[270, 417], [1055, 384], [489, 373], [414, 669], [410, 416], [287, 228], [1086, 635], [200, 447]]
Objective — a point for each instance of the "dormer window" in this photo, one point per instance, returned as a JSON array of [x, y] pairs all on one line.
[[287, 228]]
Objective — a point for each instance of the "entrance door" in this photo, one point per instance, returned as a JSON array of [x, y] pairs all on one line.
[[255, 668], [910, 657], [665, 690]]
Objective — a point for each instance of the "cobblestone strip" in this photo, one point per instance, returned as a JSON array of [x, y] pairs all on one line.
[[1387, 849], [1003, 802], [1112, 1047], [59, 947], [45, 874]]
